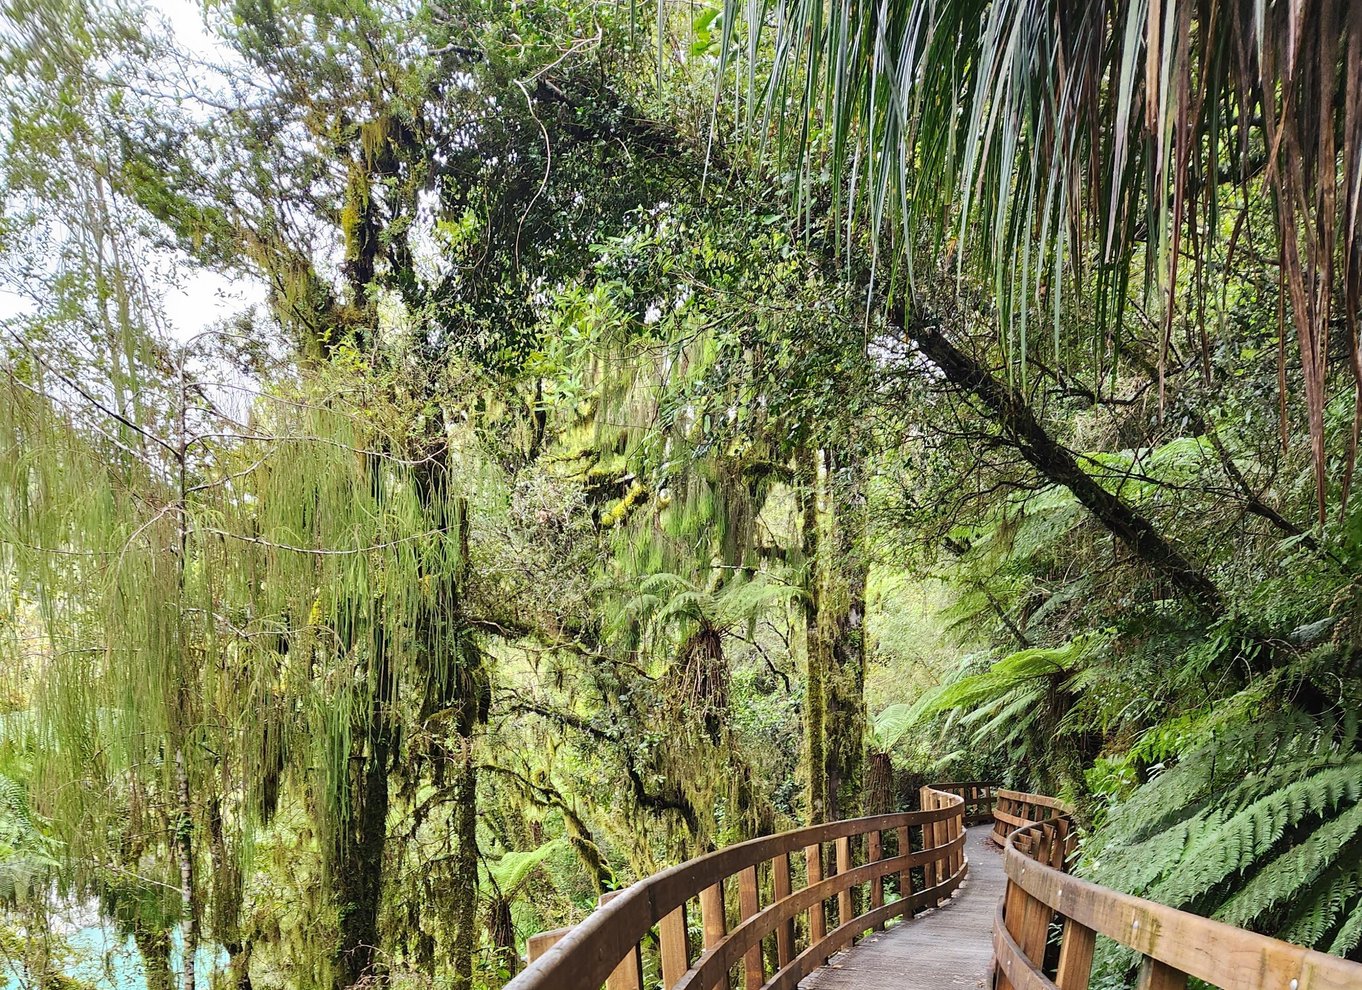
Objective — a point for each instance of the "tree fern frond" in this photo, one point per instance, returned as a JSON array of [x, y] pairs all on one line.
[[1319, 913], [1349, 933], [1299, 866]]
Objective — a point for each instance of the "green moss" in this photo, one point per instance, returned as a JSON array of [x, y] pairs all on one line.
[[635, 496]]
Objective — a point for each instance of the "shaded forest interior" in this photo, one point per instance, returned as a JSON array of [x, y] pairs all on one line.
[[458, 458]]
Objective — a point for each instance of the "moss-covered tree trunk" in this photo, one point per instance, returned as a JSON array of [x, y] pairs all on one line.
[[153, 945], [841, 617], [465, 884], [227, 896], [879, 784], [1019, 425], [806, 471], [361, 839]]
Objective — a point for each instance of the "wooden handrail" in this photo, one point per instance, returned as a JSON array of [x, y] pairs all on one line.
[[1017, 809], [979, 797], [1173, 944], [765, 924]]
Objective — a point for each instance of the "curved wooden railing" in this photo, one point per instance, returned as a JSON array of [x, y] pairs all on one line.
[[853, 876], [1017, 809], [753, 917], [979, 797], [1048, 922]]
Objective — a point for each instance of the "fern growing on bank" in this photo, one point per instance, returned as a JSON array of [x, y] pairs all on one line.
[[1258, 824], [25, 853]]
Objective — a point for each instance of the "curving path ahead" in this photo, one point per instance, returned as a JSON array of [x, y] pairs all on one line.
[[1019, 907], [950, 948]]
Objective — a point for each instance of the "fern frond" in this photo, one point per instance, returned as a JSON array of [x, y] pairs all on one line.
[[1230, 845], [1321, 909], [1289, 873], [1349, 933]]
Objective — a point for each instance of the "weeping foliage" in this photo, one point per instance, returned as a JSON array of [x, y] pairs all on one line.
[[248, 601], [1012, 706], [1044, 143]]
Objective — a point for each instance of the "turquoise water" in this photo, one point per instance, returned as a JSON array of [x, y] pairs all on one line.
[[107, 962]]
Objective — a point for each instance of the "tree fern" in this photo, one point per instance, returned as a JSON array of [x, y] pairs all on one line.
[[1349, 935], [1293, 870], [1256, 822], [1324, 905]]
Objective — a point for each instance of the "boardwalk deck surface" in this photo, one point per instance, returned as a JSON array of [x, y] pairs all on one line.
[[949, 948]]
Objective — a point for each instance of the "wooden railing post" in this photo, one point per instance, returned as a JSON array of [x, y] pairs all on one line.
[[538, 944], [844, 908], [674, 947], [1155, 975], [927, 799], [874, 853], [906, 874], [954, 827], [713, 921], [780, 888], [749, 903], [938, 862], [628, 975], [1075, 956], [818, 916]]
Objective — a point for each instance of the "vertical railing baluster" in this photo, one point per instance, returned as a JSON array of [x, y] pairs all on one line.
[[674, 947], [844, 909], [1035, 928], [818, 915], [874, 853], [713, 921], [628, 975], [906, 874], [1059, 844], [1155, 975], [780, 885], [938, 862], [953, 827], [1075, 956], [536, 945], [749, 903]]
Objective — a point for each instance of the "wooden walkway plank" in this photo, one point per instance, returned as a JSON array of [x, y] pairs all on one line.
[[951, 947]]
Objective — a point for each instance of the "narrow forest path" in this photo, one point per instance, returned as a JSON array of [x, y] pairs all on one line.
[[949, 947]]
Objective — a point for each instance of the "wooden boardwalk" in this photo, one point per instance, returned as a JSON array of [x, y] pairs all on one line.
[[950, 947]]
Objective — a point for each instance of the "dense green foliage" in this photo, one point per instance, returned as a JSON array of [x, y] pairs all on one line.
[[631, 441]]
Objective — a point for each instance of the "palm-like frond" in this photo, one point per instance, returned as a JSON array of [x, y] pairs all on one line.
[[508, 875], [1006, 694], [1048, 136]]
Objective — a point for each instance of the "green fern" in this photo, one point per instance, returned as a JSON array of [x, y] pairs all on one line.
[[998, 706], [25, 852], [1349, 934], [1288, 874], [1325, 903], [1258, 822]]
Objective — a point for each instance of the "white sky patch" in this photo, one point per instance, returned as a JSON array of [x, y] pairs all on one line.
[[205, 298], [201, 297], [185, 18]]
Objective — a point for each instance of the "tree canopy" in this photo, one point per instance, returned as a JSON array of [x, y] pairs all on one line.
[[457, 458]]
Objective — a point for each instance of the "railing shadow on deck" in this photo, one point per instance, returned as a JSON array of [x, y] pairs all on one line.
[[774, 908]]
